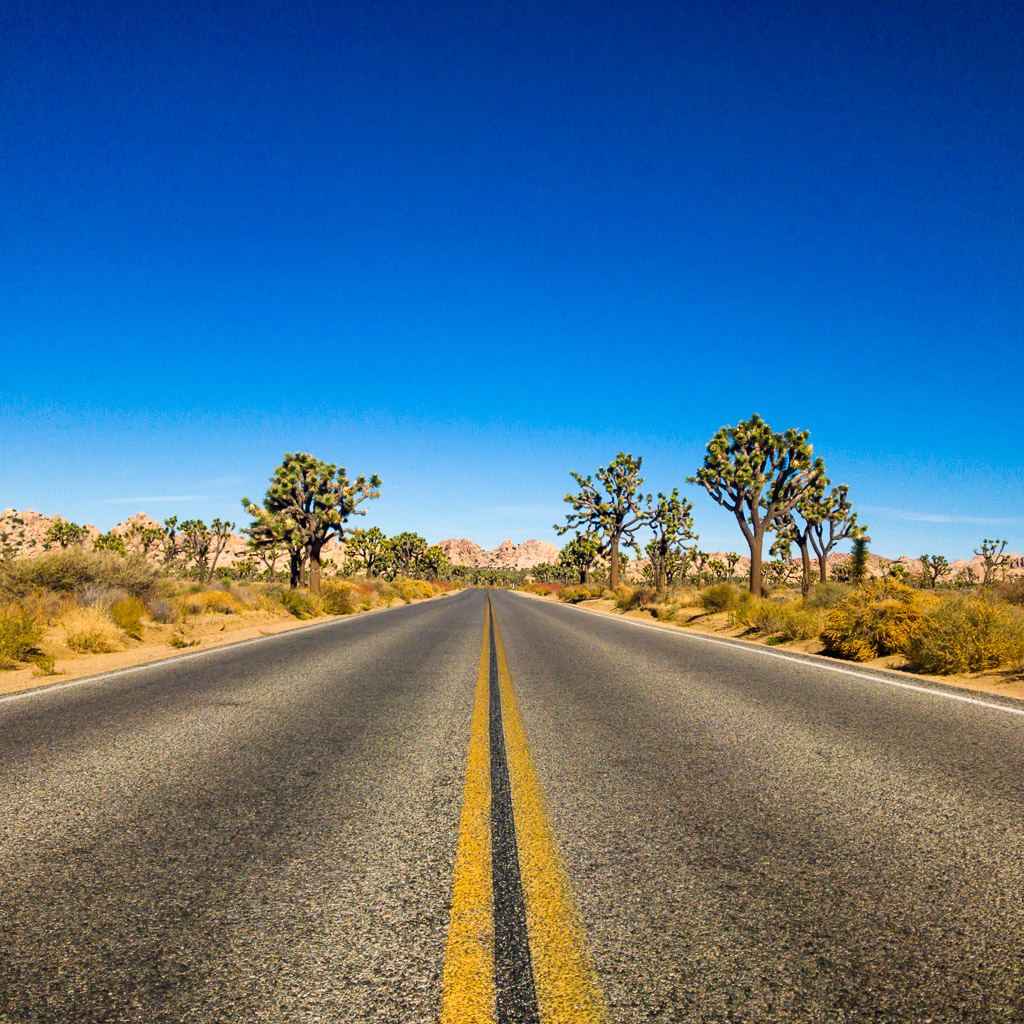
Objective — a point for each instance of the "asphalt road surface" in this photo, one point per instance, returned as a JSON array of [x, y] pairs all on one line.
[[412, 815]]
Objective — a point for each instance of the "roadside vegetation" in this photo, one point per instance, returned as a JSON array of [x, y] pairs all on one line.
[[169, 587], [932, 621]]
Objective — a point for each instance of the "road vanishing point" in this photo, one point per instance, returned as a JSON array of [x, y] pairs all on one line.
[[489, 808]]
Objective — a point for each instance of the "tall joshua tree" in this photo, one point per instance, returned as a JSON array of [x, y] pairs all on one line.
[[759, 476], [992, 553], [367, 550], [315, 500], [579, 555], [670, 519], [611, 508]]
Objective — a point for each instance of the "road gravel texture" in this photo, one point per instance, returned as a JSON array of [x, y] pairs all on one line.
[[267, 832]]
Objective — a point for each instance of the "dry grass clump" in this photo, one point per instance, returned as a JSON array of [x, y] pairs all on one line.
[[878, 618], [827, 594], [584, 592], [210, 601], [297, 603], [966, 634], [127, 613], [21, 630], [723, 597], [786, 620], [628, 599], [70, 570], [87, 630]]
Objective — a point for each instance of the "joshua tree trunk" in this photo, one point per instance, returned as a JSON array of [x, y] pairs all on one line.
[[805, 561], [613, 564], [822, 568]]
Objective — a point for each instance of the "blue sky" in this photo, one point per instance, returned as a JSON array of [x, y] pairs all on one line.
[[474, 246]]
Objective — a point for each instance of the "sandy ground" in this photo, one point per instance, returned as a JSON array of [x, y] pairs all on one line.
[[199, 632], [1006, 683]]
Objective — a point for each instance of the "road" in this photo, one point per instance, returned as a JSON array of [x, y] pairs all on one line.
[[411, 815]]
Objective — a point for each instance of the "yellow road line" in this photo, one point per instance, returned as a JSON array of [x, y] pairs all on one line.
[[468, 996], [567, 991]]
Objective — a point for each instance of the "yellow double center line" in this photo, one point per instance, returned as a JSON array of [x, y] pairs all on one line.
[[516, 947]]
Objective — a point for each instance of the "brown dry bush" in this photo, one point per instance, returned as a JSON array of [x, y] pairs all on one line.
[[88, 631], [68, 571], [20, 633]]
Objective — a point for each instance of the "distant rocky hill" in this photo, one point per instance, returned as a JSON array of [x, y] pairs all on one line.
[[23, 533], [506, 555]]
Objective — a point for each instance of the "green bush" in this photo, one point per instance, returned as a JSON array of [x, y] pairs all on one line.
[[800, 623], [20, 633], [759, 614], [722, 597], [298, 603], [966, 634], [827, 594], [69, 570], [878, 618], [127, 613], [411, 590]]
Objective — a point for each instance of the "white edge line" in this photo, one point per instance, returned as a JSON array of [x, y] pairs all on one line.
[[176, 659], [751, 648]]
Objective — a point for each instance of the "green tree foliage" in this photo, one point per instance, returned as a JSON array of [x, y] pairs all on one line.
[[859, 561], [270, 536], [314, 500], [366, 551], [110, 542], [611, 508], [759, 476], [580, 555], [992, 553], [64, 534], [220, 534], [433, 564], [406, 550], [670, 519]]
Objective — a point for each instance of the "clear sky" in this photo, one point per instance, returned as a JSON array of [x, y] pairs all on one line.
[[472, 246]]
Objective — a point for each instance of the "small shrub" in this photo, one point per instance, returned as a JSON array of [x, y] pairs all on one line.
[[339, 598], [800, 623], [827, 594], [178, 641], [966, 634], [876, 619], [127, 613], [20, 633], [721, 597], [666, 612], [162, 610], [411, 590], [88, 631], [759, 615], [624, 597], [297, 603], [43, 665], [210, 601], [101, 594]]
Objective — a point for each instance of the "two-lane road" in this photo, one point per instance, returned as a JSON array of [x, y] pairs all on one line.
[[699, 832]]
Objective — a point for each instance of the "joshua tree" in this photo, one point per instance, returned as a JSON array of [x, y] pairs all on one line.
[[63, 533], [580, 554], [196, 540], [611, 508], [732, 558], [315, 500], [933, 568], [142, 538], [110, 541], [759, 476], [406, 550], [671, 520], [170, 540], [698, 559], [433, 563], [220, 534], [366, 550], [992, 552], [271, 535]]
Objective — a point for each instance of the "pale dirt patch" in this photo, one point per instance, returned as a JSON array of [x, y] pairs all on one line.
[[200, 632], [1004, 682]]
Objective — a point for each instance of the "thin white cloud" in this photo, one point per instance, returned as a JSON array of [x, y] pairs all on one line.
[[909, 515], [151, 499]]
